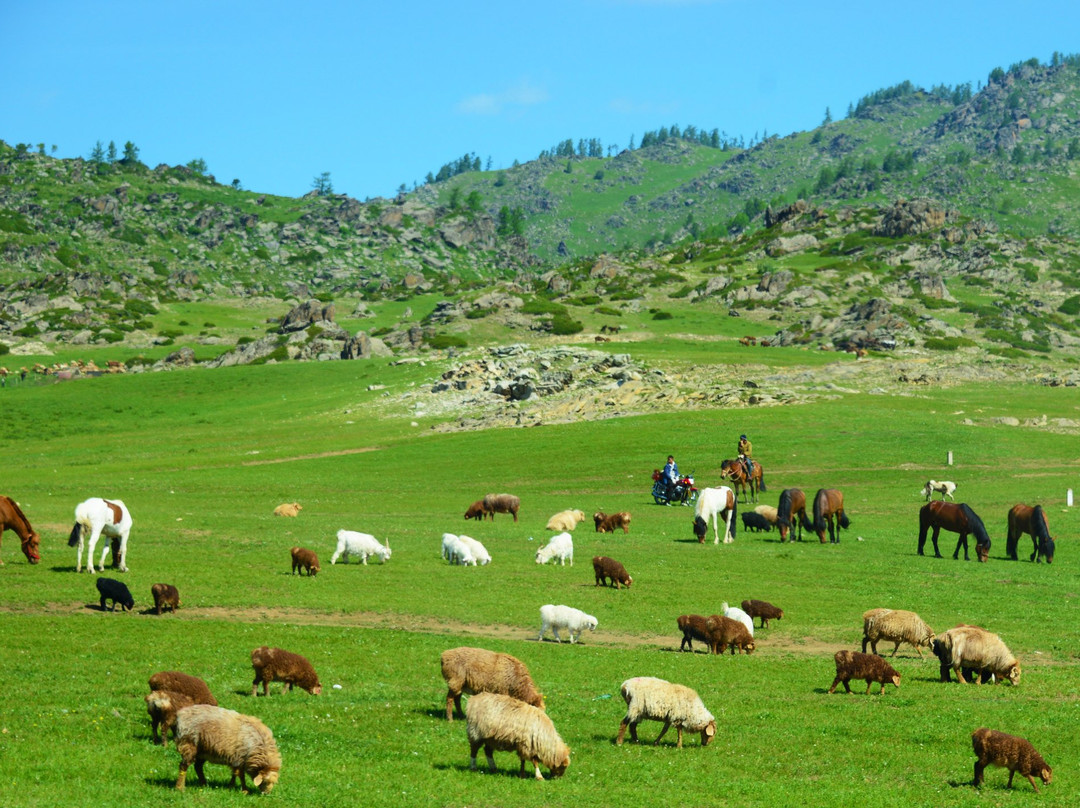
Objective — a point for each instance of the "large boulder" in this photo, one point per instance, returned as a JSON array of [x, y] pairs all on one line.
[[910, 218], [362, 346], [306, 315]]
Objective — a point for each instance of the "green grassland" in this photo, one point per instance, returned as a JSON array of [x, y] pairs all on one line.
[[201, 458]]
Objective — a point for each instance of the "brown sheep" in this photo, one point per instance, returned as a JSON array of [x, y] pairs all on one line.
[[607, 523], [277, 665], [724, 631], [693, 628], [178, 682], [165, 595], [478, 512], [302, 558], [501, 503], [288, 509], [763, 609], [856, 665], [606, 568], [477, 670], [162, 706], [993, 748]]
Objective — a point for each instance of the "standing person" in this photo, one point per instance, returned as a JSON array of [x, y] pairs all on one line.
[[746, 449], [670, 475]]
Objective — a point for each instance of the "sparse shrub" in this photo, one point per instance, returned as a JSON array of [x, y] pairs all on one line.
[[1071, 305], [662, 315], [563, 325], [610, 312], [479, 314], [170, 333], [444, 341], [948, 343], [540, 306], [244, 340], [681, 292]]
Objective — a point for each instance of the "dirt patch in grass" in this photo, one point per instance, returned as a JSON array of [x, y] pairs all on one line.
[[316, 456]]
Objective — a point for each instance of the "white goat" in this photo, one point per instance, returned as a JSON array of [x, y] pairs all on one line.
[[561, 547], [573, 620], [457, 552], [736, 613], [349, 542]]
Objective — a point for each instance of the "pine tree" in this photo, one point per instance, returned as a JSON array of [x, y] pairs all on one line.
[[131, 153], [828, 117], [112, 151], [322, 184], [97, 154]]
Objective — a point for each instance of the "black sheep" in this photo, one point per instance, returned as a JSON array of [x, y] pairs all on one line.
[[117, 592], [755, 521]]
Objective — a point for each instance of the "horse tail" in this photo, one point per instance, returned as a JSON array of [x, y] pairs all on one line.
[[978, 530], [761, 484], [924, 524], [783, 508], [76, 534], [820, 500], [734, 512], [843, 519]]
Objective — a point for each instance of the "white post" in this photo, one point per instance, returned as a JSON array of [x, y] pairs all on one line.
[[950, 457], [1068, 498]]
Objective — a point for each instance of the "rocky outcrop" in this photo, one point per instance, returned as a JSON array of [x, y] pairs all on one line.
[[305, 315], [912, 218]]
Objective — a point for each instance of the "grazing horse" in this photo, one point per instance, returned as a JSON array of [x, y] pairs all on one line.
[[829, 505], [957, 518], [944, 487], [711, 504], [733, 470], [12, 518], [101, 517], [792, 504], [1025, 519]]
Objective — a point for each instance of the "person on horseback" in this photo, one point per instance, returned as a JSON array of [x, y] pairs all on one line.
[[670, 475], [746, 449]]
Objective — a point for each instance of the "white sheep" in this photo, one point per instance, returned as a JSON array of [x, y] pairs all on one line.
[[736, 613], [206, 734], [455, 551], [768, 511], [561, 547], [573, 620], [897, 626], [566, 520], [349, 542], [478, 552], [495, 721], [973, 647], [647, 697]]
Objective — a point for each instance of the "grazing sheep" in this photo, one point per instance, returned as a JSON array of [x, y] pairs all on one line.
[[608, 522], [605, 568], [693, 628], [769, 512], [206, 734], [479, 553], [349, 542], [721, 632], [655, 699], [973, 647], [501, 503], [897, 626], [756, 522], [454, 551], [478, 512], [178, 682], [162, 705], [763, 609], [855, 665], [993, 748], [305, 559], [738, 614], [288, 509], [277, 665], [476, 670], [565, 521], [573, 620], [165, 595], [495, 721], [117, 592], [561, 547]]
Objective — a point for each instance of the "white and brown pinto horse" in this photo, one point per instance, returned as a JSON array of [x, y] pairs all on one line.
[[12, 518], [714, 503], [101, 517]]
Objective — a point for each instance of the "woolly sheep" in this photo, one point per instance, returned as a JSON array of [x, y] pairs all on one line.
[[495, 721], [162, 705], [605, 568], [304, 559], [477, 670], [476, 511], [896, 626], [117, 592], [349, 542], [693, 628], [768, 511], [479, 553], [971, 647], [561, 547], [501, 503], [206, 734], [738, 614], [278, 665], [288, 509], [855, 665], [763, 609], [165, 595], [184, 683], [993, 748], [455, 552], [608, 522], [721, 632], [558, 617], [655, 699], [566, 521]]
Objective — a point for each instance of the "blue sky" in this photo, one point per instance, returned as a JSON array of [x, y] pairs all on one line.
[[379, 94]]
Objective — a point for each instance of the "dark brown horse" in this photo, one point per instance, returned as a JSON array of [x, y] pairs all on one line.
[[792, 504], [12, 518], [1025, 519], [734, 471], [957, 518], [829, 505]]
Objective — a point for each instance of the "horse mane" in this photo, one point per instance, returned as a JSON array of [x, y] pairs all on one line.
[[820, 500], [1039, 528], [18, 512], [978, 530], [783, 508]]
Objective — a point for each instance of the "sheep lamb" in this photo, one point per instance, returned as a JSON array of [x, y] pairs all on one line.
[[162, 705], [993, 748], [762, 609], [278, 665], [655, 699], [693, 628], [165, 595], [972, 647], [349, 542], [855, 665], [456, 552], [722, 632], [560, 547], [495, 721], [117, 592], [288, 509], [206, 734], [606, 568], [501, 503], [574, 621], [755, 521], [565, 521], [738, 614], [476, 670], [304, 559], [478, 512], [896, 626], [178, 682], [608, 522]]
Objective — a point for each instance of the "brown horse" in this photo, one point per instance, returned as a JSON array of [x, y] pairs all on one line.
[[1025, 519], [12, 518], [734, 471], [957, 518], [792, 504], [829, 505]]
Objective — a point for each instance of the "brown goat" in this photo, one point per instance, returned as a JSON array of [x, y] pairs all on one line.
[[278, 665], [606, 568], [993, 748], [693, 628], [856, 665], [724, 632], [607, 523], [302, 558], [763, 609], [178, 682], [165, 595]]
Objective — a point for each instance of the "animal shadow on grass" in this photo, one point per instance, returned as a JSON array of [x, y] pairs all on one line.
[[686, 541], [169, 782], [507, 770], [96, 607], [436, 712], [62, 569]]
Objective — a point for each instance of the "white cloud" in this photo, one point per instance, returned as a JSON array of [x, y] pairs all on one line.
[[521, 95]]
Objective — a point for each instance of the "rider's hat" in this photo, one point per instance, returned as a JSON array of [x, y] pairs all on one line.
[[742, 437]]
